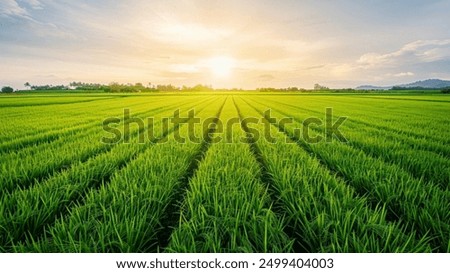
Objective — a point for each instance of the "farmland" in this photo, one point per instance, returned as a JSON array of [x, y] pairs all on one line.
[[255, 178]]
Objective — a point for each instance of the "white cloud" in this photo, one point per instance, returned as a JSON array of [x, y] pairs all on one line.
[[415, 52], [382, 66], [11, 8], [35, 4], [404, 74]]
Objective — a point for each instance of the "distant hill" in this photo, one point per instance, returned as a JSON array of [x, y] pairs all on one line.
[[430, 83], [372, 87]]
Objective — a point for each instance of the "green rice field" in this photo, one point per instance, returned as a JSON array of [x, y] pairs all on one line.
[[239, 172]]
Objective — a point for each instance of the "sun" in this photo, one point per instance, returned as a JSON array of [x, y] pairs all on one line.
[[221, 66]]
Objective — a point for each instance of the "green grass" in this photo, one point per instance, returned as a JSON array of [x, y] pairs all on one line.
[[384, 190]]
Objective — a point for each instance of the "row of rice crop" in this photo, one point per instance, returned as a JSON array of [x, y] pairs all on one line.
[[421, 164], [414, 108], [421, 206], [46, 200], [227, 207], [33, 120], [22, 169], [54, 134], [398, 113], [380, 118], [323, 212], [128, 213], [92, 120], [429, 106], [21, 101]]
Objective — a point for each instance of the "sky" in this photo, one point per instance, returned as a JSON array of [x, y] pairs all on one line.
[[233, 43]]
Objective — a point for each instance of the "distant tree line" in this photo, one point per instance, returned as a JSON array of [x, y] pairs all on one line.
[[198, 88], [289, 89], [399, 88], [139, 87], [418, 88], [317, 87], [87, 86], [48, 87], [116, 87]]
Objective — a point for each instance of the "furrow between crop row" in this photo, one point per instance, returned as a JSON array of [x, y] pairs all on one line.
[[267, 178], [173, 209], [227, 208]]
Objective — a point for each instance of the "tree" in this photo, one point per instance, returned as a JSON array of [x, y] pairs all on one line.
[[115, 87], [446, 90], [320, 87], [27, 85], [7, 89]]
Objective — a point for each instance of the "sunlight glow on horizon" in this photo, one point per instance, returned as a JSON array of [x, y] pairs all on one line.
[[221, 66]]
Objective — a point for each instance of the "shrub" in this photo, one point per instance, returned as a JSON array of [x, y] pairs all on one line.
[[7, 89], [446, 90]]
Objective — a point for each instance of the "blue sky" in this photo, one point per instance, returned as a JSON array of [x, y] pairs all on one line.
[[281, 43]]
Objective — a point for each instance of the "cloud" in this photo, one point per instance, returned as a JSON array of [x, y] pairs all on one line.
[[34, 4], [314, 67], [417, 59], [11, 8], [404, 74], [266, 77], [17, 9], [415, 52]]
